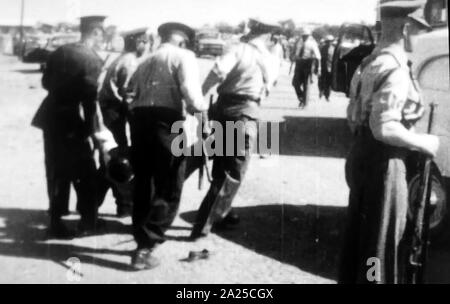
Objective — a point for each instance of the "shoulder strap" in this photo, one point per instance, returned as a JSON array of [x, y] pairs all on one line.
[[387, 74]]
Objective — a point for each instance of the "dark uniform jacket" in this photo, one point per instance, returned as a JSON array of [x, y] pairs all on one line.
[[71, 78]]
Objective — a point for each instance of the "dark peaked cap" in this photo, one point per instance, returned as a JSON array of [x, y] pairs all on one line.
[[166, 29], [88, 23], [130, 38]]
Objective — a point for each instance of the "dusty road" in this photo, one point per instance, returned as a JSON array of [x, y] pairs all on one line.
[[292, 205]]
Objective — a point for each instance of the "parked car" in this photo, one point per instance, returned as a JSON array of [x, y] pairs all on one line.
[[209, 43], [430, 60]]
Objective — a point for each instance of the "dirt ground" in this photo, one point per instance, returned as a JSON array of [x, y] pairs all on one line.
[[292, 205]]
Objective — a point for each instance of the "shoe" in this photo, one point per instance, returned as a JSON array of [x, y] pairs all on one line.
[[88, 228], [58, 230], [143, 260]]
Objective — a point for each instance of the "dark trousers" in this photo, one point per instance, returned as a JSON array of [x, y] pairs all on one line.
[[70, 160], [325, 83], [377, 212], [122, 193], [302, 79], [235, 166], [159, 175]]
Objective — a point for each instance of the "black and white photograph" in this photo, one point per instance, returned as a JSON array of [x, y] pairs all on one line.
[[213, 142]]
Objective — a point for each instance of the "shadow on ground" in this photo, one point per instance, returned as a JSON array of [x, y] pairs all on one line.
[[24, 235], [314, 136], [308, 237]]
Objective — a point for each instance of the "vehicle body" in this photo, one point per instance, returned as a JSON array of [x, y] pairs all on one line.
[[209, 43], [430, 59]]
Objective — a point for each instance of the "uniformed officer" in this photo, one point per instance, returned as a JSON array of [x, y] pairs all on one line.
[[326, 54], [71, 81], [115, 110], [244, 78], [166, 86], [384, 106], [307, 61]]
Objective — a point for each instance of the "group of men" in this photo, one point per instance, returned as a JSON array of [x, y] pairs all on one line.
[[149, 92]]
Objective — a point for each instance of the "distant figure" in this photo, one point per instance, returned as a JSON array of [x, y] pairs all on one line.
[[308, 60], [115, 111], [326, 53]]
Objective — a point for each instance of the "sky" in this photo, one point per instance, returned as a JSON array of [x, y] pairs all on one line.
[[129, 14]]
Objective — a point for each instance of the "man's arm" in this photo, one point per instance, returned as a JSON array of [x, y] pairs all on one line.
[[95, 126], [386, 116]]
